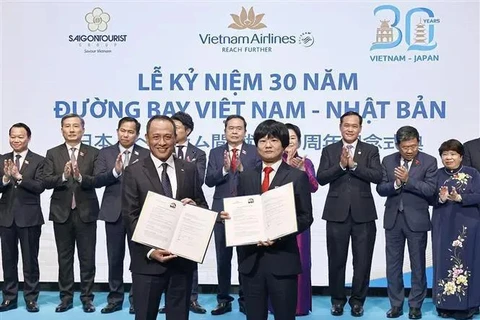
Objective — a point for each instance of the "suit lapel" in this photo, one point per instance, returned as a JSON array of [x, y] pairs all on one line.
[[82, 153], [152, 175], [414, 166], [280, 176], [26, 162], [257, 187], [191, 154], [64, 153], [135, 156], [357, 154], [180, 173]]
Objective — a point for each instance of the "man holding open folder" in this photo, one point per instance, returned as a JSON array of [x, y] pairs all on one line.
[[155, 270], [269, 269]]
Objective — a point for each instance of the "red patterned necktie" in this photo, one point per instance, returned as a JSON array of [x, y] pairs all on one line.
[[266, 179], [233, 163]]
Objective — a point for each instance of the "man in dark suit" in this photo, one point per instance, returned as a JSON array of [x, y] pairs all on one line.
[[108, 173], [270, 269], [224, 164], [472, 154], [74, 210], [349, 166], [155, 270], [409, 181], [186, 151], [21, 218]]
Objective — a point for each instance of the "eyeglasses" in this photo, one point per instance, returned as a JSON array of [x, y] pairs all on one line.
[[409, 148]]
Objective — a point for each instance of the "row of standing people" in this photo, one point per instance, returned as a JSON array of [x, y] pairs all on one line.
[[349, 209]]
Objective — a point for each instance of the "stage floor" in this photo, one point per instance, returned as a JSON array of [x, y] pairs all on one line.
[[375, 308]]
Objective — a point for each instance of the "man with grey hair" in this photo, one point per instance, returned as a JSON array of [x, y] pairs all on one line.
[[68, 170]]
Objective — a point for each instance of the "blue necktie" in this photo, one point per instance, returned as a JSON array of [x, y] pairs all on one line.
[[167, 187]]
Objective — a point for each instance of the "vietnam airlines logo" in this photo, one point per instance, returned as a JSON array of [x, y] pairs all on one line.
[[247, 20]]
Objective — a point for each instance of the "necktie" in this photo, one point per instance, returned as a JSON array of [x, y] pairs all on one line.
[[73, 160], [233, 163], [17, 161], [127, 158], [266, 178], [350, 149], [400, 205], [167, 187], [180, 152]]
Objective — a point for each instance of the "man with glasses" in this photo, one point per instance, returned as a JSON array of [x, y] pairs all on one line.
[[409, 181]]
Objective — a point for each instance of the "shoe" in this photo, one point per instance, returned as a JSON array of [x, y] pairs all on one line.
[[111, 307], [161, 310], [337, 310], [131, 310], [242, 309], [357, 310], [32, 306], [415, 313], [221, 308], [395, 312], [88, 307], [195, 307], [64, 306], [8, 305]]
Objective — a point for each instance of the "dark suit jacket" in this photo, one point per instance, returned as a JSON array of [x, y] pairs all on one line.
[[112, 196], [140, 178], [282, 257], [416, 193], [199, 157], [350, 190], [471, 157], [21, 202], [225, 184], [85, 195]]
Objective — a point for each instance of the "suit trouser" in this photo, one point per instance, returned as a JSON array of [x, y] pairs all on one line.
[[72, 231], [147, 290], [394, 251], [29, 238], [116, 235], [261, 285], [224, 266], [363, 241]]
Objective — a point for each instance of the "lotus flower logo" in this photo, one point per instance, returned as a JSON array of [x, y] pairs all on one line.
[[247, 21], [97, 20]]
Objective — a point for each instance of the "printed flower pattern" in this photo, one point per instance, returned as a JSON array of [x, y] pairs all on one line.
[[97, 20], [247, 20], [456, 282]]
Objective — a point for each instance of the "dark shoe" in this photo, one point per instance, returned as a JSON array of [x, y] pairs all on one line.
[[131, 310], [242, 309], [111, 307], [337, 310], [221, 308], [161, 310], [357, 310], [415, 313], [64, 306], [32, 306], [8, 305], [88, 307], [195, 307], [395, 312]]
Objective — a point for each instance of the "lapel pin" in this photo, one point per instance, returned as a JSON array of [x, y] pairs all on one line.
[[82, 154], [25, 161], [359, 152], [136, 153], [244, 152]]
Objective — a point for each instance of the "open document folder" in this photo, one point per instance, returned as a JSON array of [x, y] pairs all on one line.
[[184, 230], [263, 217]]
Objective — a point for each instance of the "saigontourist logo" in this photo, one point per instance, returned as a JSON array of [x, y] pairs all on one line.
[[97, 40], [246, 33]]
